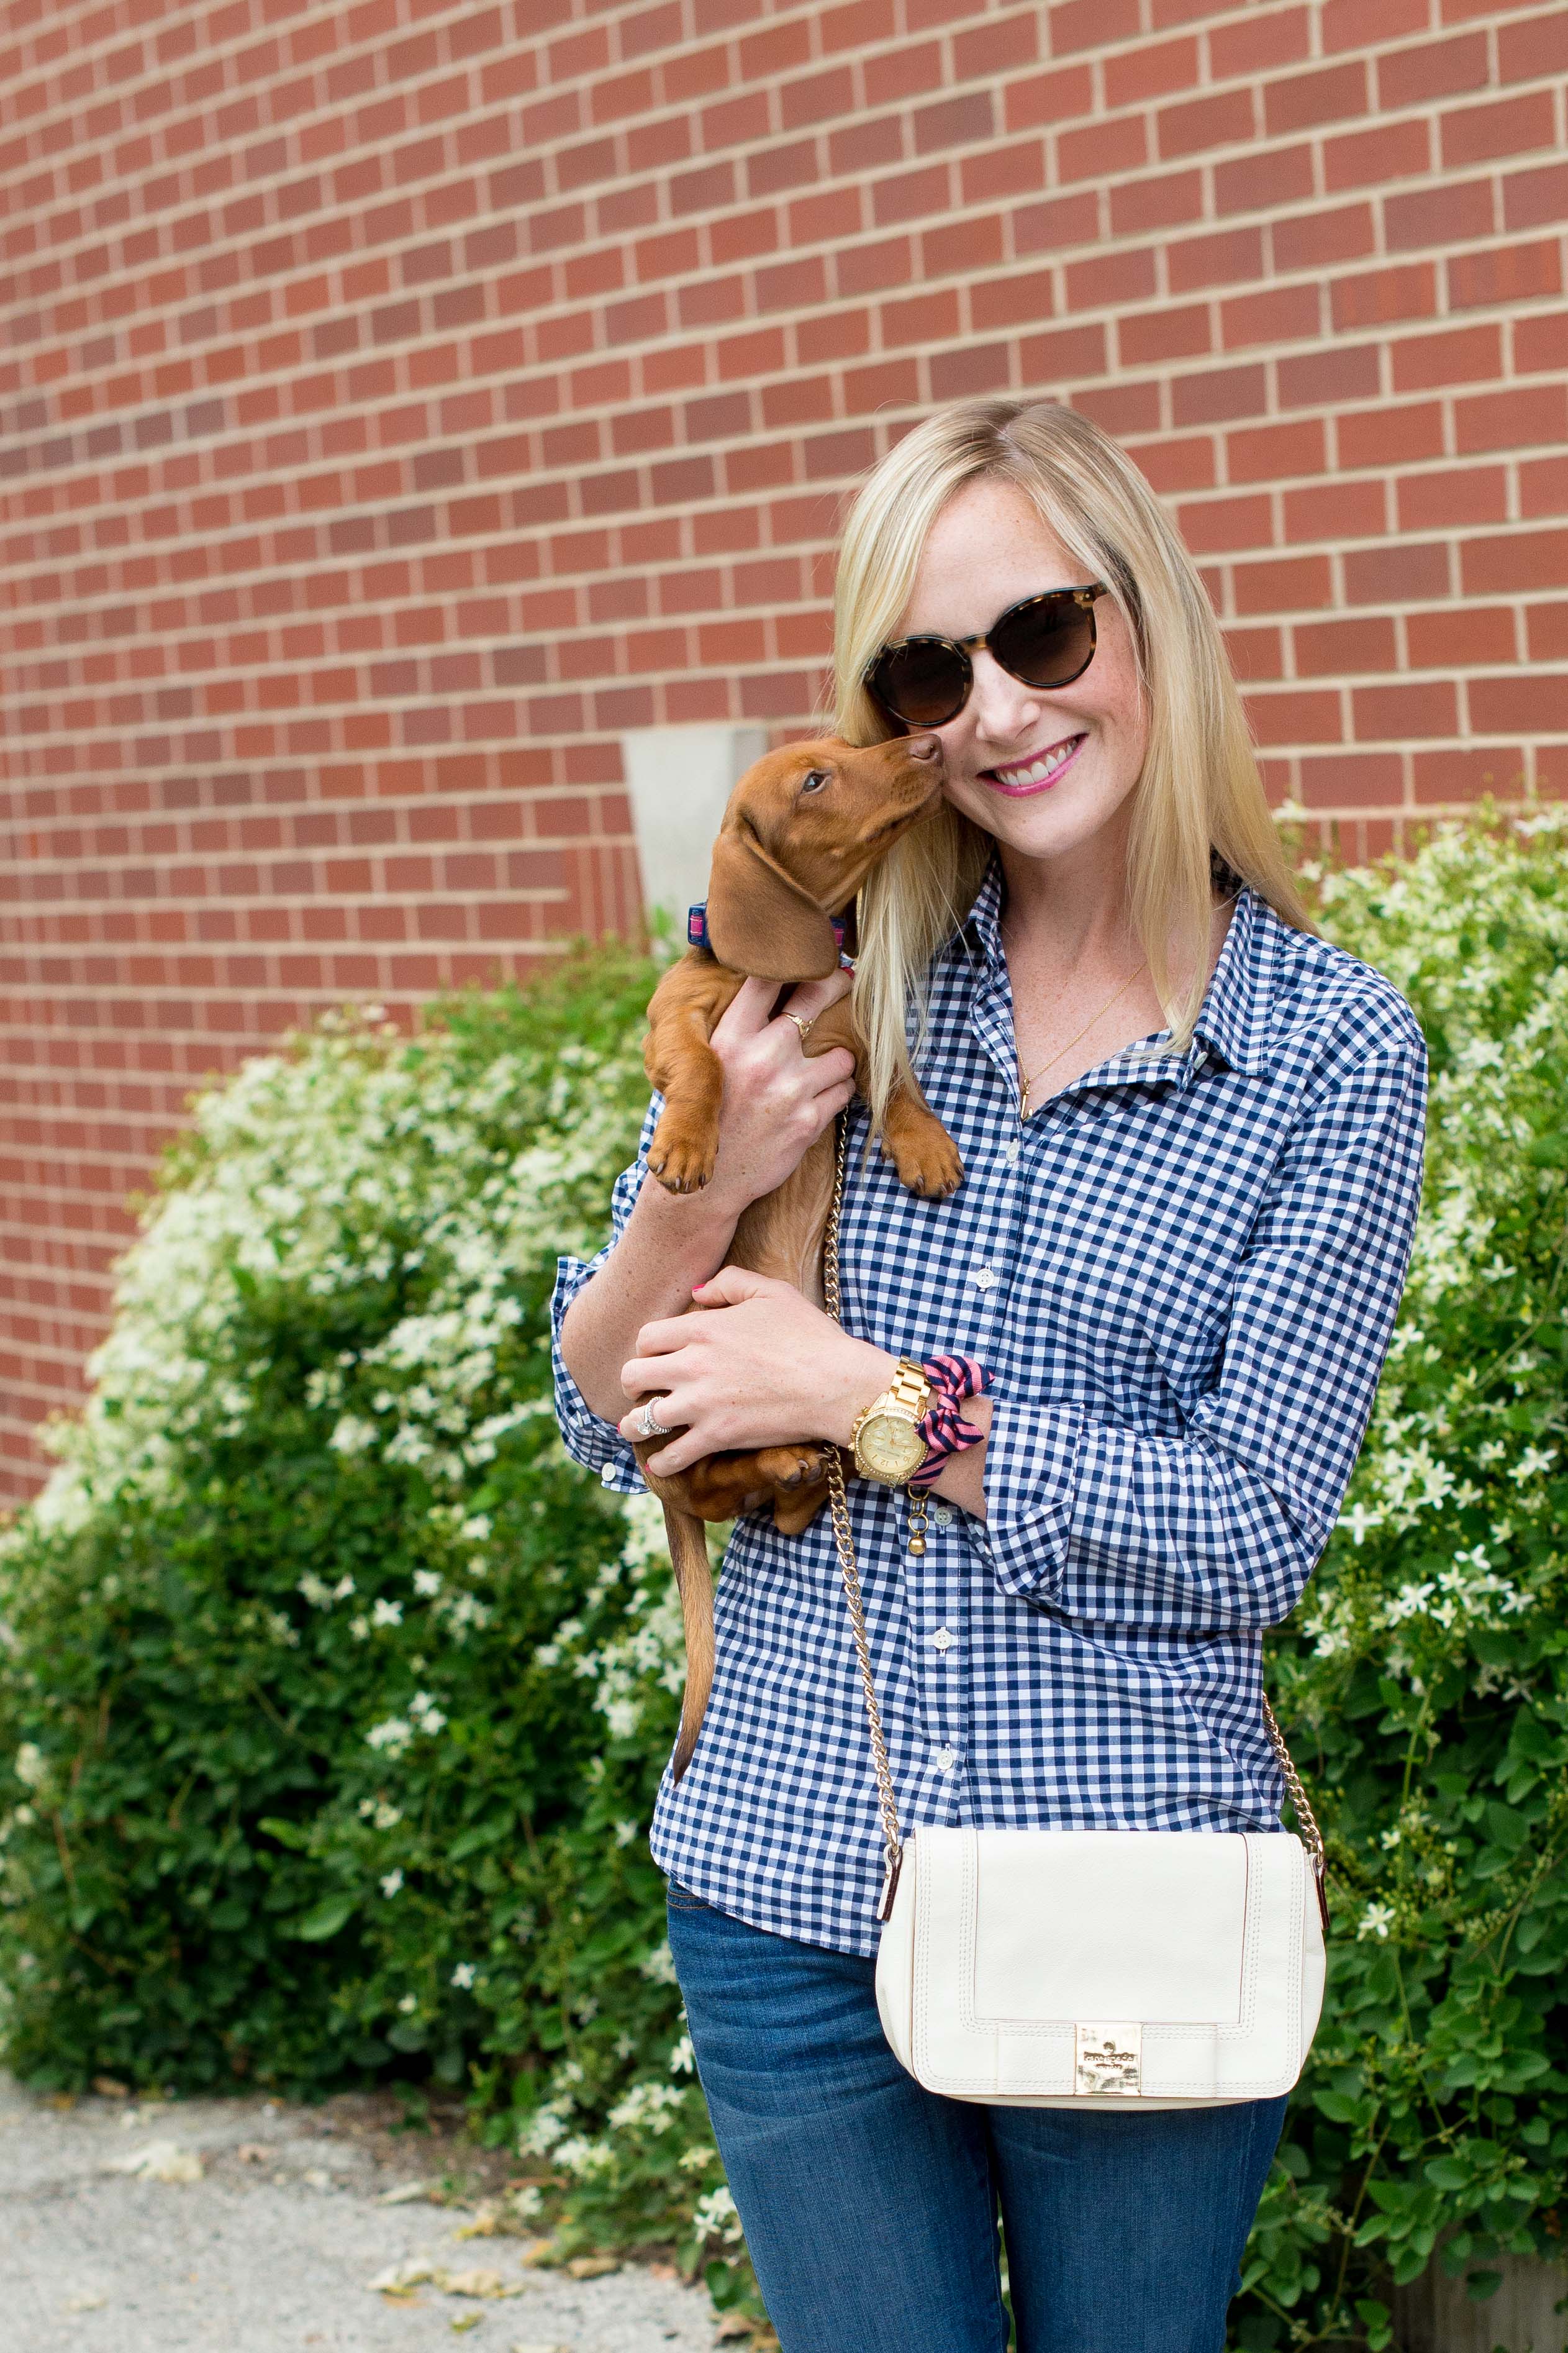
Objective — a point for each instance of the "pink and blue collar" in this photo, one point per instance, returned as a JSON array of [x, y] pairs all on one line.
[[696, 932]]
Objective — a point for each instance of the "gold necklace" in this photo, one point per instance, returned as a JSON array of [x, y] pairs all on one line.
[[1105, 1008]]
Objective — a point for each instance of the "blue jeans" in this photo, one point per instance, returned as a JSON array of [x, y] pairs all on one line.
[[870, 2205]]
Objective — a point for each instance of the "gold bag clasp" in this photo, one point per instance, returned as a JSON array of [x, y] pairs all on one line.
[[1108, 2057]]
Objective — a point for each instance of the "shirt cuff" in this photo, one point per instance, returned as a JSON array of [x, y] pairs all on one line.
[[1030, 1479], [597, 1445]]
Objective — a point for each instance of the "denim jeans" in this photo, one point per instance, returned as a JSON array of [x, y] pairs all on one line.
[[870, 2205]]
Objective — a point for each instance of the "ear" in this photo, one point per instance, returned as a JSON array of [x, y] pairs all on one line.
[[760, 921]]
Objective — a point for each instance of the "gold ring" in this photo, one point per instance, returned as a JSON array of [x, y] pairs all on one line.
[[804, 1028]]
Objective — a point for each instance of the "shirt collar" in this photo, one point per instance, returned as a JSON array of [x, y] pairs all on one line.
[[1236, 1023]]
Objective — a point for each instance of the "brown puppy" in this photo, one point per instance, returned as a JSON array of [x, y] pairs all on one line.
[[803, 829]]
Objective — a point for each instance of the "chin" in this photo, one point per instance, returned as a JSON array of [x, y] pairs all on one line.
[[1044, 825]]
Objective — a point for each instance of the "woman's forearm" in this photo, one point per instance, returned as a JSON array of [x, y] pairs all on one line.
[[671, 1243]]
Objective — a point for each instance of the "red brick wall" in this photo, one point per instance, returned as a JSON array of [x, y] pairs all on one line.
[[398, 402]]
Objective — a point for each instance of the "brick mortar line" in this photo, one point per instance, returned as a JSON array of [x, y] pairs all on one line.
[[1431, 111], [1519, 603], [465, 847], [234, 532], [660, 177], [155, 131], [556, 258], [65, 109], [174, 635], [529, 321], [1388, 336]]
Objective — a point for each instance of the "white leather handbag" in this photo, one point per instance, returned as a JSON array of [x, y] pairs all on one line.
[[1131, 1970]]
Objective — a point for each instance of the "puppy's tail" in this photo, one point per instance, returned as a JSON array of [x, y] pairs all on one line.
[[694, 1583]]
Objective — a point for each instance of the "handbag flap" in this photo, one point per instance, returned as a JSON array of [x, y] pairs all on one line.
[[1111, 1924], [1187, 1946]]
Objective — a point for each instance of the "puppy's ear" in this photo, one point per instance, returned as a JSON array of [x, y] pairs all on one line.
[[760, 921]]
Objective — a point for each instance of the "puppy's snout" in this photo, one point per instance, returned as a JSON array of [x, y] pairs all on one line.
[[923, 747]]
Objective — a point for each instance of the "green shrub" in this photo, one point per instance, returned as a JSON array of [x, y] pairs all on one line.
[[336, 1695], [1425, 1678]]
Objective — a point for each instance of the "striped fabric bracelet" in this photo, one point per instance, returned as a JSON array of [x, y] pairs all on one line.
[[943, 1428]]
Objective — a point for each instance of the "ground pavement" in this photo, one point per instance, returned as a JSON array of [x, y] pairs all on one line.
[[246, 2226]]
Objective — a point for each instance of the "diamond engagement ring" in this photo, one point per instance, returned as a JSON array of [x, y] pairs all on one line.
[[649, 1427]]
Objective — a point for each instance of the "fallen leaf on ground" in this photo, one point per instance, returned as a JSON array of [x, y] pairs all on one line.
[[406, 2193], [160, 2160], [253, 2152], [593, 2267], [61, 2100], [85, 2302], [316, 2177], [543, 2254], [487, 2222], [487, 2284], [461, 2328], [412, 2272], [733, 2326], [109, 2089]]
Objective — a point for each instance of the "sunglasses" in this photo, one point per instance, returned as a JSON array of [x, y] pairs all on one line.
[[1044, 641]]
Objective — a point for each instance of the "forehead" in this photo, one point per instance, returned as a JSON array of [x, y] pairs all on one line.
[[987, 549]]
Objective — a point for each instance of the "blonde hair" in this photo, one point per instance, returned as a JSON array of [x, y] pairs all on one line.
[[1199, 796]]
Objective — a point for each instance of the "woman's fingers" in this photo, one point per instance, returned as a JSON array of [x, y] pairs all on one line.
[[810, 998]]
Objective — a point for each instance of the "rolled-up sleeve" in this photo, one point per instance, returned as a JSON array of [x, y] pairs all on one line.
[[1221, 1525], [597, 1445]]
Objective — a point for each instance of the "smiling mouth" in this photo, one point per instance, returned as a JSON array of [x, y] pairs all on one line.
[[1031, 775]]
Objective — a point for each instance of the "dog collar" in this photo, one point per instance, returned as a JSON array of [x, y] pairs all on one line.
[[696, 932]]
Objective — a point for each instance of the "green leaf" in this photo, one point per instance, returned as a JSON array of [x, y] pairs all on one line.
[[324, 1919]]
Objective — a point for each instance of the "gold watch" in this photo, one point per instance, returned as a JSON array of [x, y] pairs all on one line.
[[887, 1437]]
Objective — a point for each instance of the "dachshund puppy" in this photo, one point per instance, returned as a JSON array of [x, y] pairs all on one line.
[[803, 829]]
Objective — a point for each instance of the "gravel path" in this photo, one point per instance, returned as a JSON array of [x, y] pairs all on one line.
[[271, 2249]]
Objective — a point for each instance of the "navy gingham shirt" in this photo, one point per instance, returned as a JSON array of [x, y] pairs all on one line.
[[1182, 1272]]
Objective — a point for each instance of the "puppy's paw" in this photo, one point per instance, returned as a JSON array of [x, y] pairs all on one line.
[[683, 1153], [790, 1467], [927, 1160]]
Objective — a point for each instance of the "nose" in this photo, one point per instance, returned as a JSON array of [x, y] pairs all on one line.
[[923, 747]]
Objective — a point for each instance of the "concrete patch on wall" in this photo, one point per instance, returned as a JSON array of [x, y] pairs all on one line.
[[679, 779]]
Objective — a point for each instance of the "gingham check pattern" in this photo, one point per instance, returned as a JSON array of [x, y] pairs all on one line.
[[1183, 1274]]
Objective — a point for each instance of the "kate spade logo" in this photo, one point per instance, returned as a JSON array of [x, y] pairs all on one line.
[[1108, 2057]]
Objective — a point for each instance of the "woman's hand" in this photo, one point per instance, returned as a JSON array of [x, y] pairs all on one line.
[[761, 1367], [777, 1099]]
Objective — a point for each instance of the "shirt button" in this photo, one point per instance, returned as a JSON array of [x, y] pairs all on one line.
[[1013, 1153], [942, 1515], [944, 1759], [983, 1277], [941, 1640]]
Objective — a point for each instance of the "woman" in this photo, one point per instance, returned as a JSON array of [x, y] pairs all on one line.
[[1192, 1133]]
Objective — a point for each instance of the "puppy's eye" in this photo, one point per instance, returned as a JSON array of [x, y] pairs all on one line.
[[814, 781]]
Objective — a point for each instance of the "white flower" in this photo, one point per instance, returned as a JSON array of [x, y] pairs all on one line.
[[426, 1582], [409, 2004], [393, 1735], [681, 2061], [1375, 1921], [715, 2216], [391, 1881], [463, 1975], [30, 1767], [426, 1716], [387, 1614], [352, 1435]]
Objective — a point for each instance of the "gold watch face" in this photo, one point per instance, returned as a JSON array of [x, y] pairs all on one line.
[[890, 1447]]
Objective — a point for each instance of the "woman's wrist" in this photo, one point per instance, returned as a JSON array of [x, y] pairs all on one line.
[[856, 1373]]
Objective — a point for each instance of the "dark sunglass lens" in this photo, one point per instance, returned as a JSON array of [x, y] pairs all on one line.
[[1046, 644], [924, 685]]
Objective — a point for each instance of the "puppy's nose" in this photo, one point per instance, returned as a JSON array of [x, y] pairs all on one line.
[[923, 747]]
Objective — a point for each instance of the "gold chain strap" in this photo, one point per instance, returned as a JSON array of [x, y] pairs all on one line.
[[849, 1569]]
